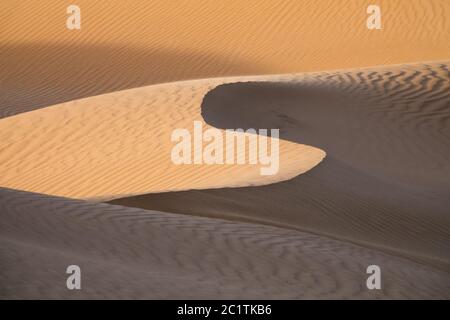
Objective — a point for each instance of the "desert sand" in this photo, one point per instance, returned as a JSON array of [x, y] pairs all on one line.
[[135, 253], [86, 176], [122, 45], [382, 182], [127, 134]]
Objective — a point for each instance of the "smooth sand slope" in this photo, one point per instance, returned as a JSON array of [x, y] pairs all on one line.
[[124, 45], [135, 253], [383, 183]]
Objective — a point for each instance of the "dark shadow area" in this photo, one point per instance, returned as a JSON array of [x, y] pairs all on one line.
[[381, 184], [128, 253], [360, 127], [38, 75]]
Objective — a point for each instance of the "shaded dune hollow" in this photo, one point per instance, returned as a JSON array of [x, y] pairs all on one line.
[[134, 253], [383, 183]]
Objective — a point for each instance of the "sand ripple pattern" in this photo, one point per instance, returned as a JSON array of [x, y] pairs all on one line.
[[123, 45], [383, 184], [134, 253]]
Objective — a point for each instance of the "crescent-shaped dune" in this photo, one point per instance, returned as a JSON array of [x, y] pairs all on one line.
[[119, 144], [383, 182], [86, 176]]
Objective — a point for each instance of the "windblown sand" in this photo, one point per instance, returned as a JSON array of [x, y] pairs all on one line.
[[86, 117], [120, 144], [382, 182], [135, 253], [123, 45]]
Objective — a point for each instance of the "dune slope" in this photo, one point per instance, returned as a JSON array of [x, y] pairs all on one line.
[[119, 144], [86, 117], [135, 253], [124, 45], [383, 183]]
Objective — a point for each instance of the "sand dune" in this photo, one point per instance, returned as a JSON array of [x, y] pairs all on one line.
[[86, 117], [135, 253], [383, 183], [119, 144], [378, 187], [123, 45]]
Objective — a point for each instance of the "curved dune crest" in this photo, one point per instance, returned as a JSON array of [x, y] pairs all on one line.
[[88, 114], [119, 144], [123, 45], [386, 132]]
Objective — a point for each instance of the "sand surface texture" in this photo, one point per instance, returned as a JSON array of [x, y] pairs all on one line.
[[86, 176]]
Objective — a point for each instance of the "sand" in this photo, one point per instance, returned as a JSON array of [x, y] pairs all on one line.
[[382, 183], [119, 144], [86, 176], [135, 253], [122, 45]]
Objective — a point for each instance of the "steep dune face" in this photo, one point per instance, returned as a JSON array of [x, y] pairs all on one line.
[[125, 45], [383, 183], [120, 144], [134, 253]]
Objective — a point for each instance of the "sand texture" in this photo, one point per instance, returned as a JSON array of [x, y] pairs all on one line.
[[87, 178]]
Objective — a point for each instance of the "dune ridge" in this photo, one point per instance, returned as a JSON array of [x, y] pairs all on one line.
[[362, 197], [123, 46], [119, 144], [85, 170], [385, 131]]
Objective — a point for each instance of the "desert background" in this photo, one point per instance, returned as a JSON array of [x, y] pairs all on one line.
[[86, 176]]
